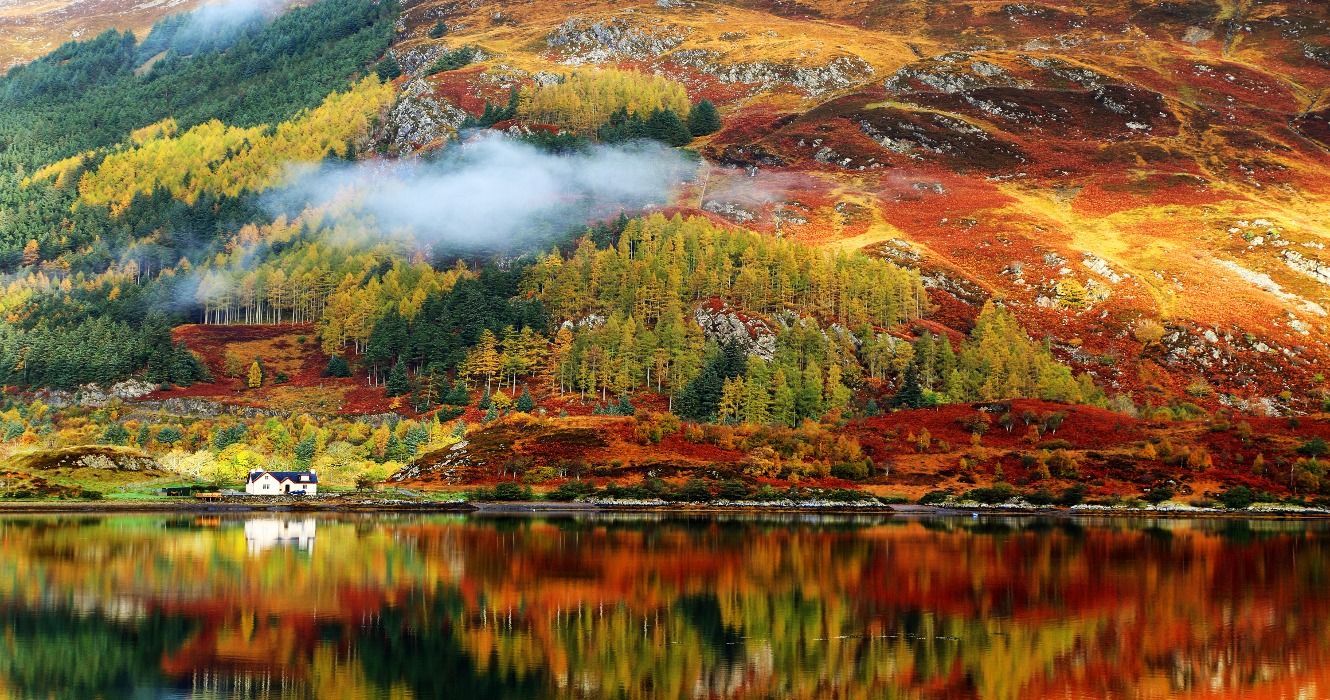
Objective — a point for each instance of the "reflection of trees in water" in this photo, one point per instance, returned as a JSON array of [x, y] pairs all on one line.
[[647, 608], [61, 654]]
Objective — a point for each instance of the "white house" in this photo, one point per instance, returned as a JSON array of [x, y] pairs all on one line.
[[266, 483]]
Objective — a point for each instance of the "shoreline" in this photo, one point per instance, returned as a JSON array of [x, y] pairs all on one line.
[[501, 508]]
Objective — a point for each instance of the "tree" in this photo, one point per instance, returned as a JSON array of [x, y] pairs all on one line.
[[398, 383], [337, 367], [169, 435], [438, 30], [255, 378], [911, 393], [525, 403], [388, 69], [306, 449], [664, 125], [115, 434], [703, 119]]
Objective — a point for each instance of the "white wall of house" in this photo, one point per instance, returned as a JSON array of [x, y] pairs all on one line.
[[268, 485]]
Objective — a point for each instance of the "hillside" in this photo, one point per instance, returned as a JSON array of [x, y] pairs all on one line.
[[874, 243]]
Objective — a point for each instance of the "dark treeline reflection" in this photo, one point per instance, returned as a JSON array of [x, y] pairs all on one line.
[[655, 607]]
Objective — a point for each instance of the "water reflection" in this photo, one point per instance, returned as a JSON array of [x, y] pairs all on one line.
[[262, 534], [656, 607]]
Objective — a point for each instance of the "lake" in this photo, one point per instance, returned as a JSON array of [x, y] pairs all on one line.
[[646, 606]]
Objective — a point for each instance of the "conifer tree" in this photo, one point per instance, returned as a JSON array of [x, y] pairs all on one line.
[[703, 119], [525, 403], [398, 383]]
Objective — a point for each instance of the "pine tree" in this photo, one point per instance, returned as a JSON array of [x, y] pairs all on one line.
[[337, 367], [525, 403], [664, 125], [305, 450], [388, 69], [911, 393], [398, 383], [703, 119]]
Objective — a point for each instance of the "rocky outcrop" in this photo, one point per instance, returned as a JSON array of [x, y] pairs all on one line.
[[1310, 267], [581, 40], [419, 118], [840, 73], [94, 396], [444, 464], [727, 326]]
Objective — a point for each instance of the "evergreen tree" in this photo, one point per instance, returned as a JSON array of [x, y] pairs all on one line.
[[703, 119], [438, 30], [525, 403], [115, 434], [701, 397], [664, 125], [398, 383], [457, 396], [388, 69], [911, 393], [169, 435], [305, 450], [337, 367]]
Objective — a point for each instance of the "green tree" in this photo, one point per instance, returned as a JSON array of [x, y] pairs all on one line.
[[388, 69], [703, 119], [115, 434], [337, 367], [305, 450], [525, 403], [398, 384], [664, 125]]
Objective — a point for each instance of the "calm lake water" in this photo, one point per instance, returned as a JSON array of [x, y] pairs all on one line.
[[658, 607]]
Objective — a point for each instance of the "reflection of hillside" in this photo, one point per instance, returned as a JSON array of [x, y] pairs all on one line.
[[526, 608]]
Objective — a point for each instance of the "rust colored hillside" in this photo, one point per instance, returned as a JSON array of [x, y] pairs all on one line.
[[1100, 166]]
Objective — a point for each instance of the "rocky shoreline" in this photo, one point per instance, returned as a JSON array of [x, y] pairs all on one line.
[[372, 505]]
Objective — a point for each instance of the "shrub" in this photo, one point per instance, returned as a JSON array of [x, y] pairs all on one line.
[[511, 491], [933, 498], [571, 491], [844, 495], [1315, 447], [457, 58], [1158, 495], [438, 30], [694, 491], [366, 482], [1237, 497], [1072, 495], [733, 490], [991, 495], [1041, 497], [851, 471]]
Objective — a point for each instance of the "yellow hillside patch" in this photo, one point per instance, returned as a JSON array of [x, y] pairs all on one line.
[[214, 157], [586, 99]]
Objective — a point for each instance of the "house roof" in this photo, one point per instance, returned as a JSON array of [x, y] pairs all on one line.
[[293, 477]]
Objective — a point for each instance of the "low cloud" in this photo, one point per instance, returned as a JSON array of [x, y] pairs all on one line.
[[490, 193]]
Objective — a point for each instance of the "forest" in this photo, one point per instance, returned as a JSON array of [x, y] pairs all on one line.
[[142, 207]]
